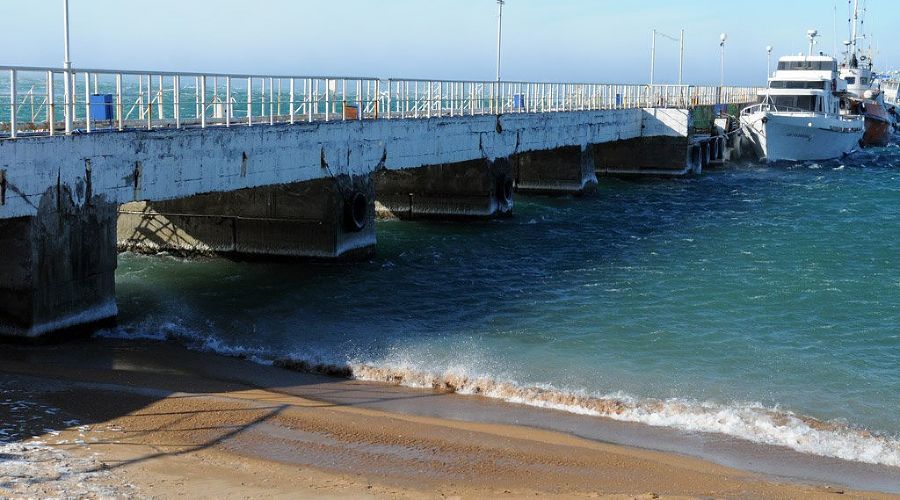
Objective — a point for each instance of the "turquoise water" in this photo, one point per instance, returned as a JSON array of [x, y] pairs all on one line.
[[757, 301]]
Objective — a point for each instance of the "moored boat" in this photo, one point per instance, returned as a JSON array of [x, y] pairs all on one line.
[[800, 117]]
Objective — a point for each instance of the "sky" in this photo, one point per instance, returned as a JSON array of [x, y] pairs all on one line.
[[543, 40]]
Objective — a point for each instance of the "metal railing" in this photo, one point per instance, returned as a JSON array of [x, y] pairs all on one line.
[[104, 100]]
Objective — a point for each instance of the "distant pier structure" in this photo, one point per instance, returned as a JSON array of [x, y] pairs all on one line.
[[269, 166]]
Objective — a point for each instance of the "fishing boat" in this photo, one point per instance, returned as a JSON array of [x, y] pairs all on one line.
[[863, 96], [800, 118]]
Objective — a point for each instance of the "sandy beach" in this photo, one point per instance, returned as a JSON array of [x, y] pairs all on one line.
[[154, 420]]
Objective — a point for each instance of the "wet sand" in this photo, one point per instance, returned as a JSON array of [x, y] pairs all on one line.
[[152, 419]]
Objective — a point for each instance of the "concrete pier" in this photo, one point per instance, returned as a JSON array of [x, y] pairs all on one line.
[[304, 190], [324, 218], [464, 190], [567, 170], [58, 268]]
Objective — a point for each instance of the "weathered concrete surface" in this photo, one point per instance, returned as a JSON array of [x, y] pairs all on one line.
[[324, 218], [568, 170], [644, 155], [168, 164], [472, 189], [58, 267], [61, 264]]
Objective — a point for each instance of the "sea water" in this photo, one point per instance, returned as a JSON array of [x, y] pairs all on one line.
[[759, 301]]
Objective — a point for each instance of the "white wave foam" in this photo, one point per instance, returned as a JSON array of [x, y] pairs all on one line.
[[749, 421]]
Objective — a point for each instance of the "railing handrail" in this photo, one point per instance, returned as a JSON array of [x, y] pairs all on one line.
[[164, 99], [169, 73]]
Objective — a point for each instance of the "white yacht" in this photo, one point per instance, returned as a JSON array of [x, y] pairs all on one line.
[[800, 117]]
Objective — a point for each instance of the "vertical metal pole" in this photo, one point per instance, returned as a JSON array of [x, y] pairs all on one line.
[[202, 93], [652, 57], [149, 102], [271, 101], [51, 108], [499, 34], [291, 103], [176, 100], [227, 101], [87, 102], [67, 65], [681, 59], [359, 101], [12, 103], [160, 107], [309, 97], [249, 102], [120, 104]]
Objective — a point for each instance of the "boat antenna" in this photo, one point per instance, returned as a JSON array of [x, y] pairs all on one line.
[[812, 34]]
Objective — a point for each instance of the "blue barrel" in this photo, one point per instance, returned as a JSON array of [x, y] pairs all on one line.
[[519, 101], [102, 107]]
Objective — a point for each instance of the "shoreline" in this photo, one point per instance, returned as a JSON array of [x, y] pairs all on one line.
[[215, 416]]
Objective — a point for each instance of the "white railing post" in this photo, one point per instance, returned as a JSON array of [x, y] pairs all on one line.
[[87, 102], [291, 103], [51, 107], [12, 104], [227, 101], [360, 110], [176, 100], [389, 100], [271, 101], [120, 104], [202, 94], [249, 102]]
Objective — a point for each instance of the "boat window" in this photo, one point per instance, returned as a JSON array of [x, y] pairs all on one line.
[[776, 84], [851, 80], [806, 102], [863, 81], [808, 65]]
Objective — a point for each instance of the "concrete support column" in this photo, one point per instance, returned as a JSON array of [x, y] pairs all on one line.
[[325, 218], [568, 170], [57, 268], [655, 155], [471, 189]]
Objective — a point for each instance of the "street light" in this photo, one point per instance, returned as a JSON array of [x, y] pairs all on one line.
[[67, 66], [768, 61], [653, 55], [499, 33], [722, 39]]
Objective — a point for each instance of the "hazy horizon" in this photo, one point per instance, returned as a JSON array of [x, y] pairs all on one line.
[[563, 40]]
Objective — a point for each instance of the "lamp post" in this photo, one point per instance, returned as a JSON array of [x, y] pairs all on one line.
[[653, 55], [768, 61], [722, 39], [67, 66], [499, 34]]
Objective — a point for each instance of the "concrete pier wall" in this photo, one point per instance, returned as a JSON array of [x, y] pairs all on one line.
[[325, 218], [265, 191], [58, 268]]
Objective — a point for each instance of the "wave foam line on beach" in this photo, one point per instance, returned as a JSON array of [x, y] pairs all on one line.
[[753, 422]]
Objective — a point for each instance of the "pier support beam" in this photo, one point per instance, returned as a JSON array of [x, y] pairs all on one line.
[[568, 170], [466, 190], [655, 155], [325, 218], [57, 271]]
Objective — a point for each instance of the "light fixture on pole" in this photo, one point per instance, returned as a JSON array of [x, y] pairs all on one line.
[[653, 55], [768, 61], [67, 66], [499, 34], [722, 39]]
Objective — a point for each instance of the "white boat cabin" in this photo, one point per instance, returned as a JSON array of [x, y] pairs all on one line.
[[806, 84]]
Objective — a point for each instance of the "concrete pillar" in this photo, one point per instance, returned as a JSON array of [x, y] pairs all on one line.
[[324, 218], [471, 189], [655, 155], [568, 170], [57, 272]]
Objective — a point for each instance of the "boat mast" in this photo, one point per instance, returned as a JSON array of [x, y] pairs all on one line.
[[853, 35]]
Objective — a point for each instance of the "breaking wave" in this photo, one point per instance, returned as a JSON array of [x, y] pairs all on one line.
[[753, 422]]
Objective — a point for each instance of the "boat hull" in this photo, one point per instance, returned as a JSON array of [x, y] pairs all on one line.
[[792, 137], [879, 125]]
